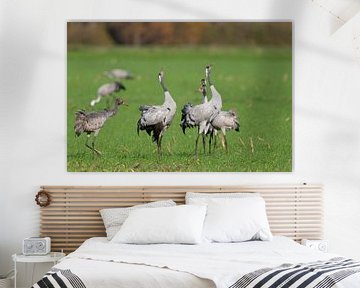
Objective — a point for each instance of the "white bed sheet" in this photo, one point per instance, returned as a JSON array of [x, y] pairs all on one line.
[[100, 263], [101, 274]]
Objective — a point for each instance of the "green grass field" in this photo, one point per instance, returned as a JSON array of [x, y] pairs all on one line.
[[256, 83]]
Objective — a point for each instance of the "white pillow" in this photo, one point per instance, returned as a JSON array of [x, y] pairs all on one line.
[[180, 224], [113, 218], [204, 198], [236, 220]]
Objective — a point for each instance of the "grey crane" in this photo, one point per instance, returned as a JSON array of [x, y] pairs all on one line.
[[201, 115], [223, 121], [119, 74], [92, 122], [156, 119], [204, 99], [107, 90]]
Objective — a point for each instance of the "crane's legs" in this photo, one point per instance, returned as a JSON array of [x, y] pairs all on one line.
[[210, 139], [225, 142], [204, 144], [213, 136], [92, 147], [159, 147], [203, 141], [196, 144]]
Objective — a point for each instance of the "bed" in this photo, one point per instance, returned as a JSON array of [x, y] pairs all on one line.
[[99, 263], [294, 211]]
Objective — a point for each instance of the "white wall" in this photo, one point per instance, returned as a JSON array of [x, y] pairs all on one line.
[[33, 106]]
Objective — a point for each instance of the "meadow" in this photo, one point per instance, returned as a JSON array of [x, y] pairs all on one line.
[[254, 82]]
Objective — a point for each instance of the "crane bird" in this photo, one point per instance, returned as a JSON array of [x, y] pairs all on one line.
[[204, 99], [119, 74], [201, 115], [156, 119], [107, 90], [92, 122], [223, 121]]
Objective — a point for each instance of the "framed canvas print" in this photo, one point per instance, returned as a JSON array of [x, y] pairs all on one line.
[[179, 96]]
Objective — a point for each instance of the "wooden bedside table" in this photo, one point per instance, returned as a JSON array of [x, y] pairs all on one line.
[[53, 257]]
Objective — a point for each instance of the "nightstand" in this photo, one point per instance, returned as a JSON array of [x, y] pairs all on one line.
[[320, 245], [53, 257]]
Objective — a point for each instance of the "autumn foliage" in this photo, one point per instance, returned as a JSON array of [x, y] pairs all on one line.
[[180, 33]]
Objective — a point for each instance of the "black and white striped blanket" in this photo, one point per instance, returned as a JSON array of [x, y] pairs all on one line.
[[320, 274], [59, 278]]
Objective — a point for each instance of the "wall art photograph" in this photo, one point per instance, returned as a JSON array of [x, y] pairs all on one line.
[[179, 96]]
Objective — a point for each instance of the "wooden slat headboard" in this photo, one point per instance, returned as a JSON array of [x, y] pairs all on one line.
[[73, 215]]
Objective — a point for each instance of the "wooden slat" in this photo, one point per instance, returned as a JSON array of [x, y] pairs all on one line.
[[73, 216]]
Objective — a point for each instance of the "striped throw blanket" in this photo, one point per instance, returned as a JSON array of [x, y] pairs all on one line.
[[59, 278], [320, 274]]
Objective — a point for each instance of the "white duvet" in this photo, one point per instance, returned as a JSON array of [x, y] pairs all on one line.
[[100, 263]]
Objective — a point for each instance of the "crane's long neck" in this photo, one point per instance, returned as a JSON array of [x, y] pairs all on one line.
[[216, 97], [163, 85], [169, 101], [204, 98], [209, 78], [113, 111]]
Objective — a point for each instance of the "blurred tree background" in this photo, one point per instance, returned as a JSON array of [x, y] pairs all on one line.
[[180, 33]]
